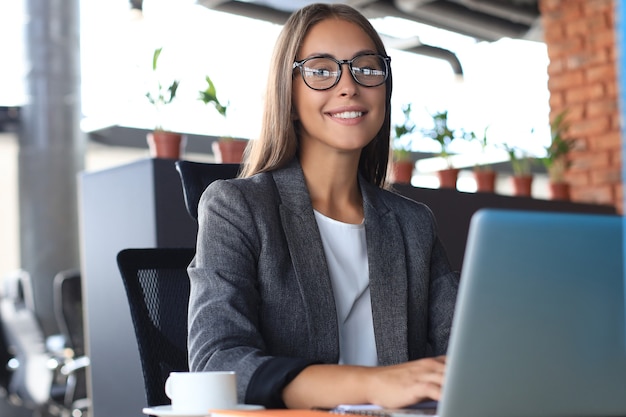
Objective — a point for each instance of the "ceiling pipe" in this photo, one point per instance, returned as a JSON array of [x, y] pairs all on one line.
[[525, 13], [414, 45], [257, 11], [457, 17]]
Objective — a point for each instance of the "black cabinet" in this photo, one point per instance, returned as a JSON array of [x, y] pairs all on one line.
[[138, 205], [454, 209]]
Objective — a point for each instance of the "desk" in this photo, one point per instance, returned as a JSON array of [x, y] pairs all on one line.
[[141, 205]]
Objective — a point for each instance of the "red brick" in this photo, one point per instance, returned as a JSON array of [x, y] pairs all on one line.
[[566, 80], [611, 141], [589, 160], [587, 59], [575, 112], [553, 33], [593, 194], [577, 27], [610, 90], [548, 5], [584, 93], [578, 178], [556, 99], [604, 73], [616, 125], [601, 39], [556, 66], [609, 175], [598, 6], [603, 107]]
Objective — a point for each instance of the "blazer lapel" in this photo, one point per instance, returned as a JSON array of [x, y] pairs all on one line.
[[309, 262], [388, 278]]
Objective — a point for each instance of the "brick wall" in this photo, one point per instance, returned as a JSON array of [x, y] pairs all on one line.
[[581, 41]]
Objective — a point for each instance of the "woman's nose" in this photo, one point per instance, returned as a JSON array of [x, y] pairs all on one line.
[[347, 85]]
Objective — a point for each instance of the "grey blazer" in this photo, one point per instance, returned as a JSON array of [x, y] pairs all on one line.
[[261, 300]]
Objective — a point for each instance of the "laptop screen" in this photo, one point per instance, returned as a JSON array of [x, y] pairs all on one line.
[[539, 323]]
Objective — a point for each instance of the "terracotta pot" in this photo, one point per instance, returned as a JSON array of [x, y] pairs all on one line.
[[559, 190], [229, 151], [522, 185], [166, 145], [448, 177], [402, 172], [485, 180]]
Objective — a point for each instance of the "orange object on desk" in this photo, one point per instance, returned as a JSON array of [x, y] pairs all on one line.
[[268, 413]]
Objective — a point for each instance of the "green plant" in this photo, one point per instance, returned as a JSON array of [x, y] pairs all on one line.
[[444, 135], [163, 95], [484, 143], [402, 149], [555, 161], [209, 96], [521, 161]]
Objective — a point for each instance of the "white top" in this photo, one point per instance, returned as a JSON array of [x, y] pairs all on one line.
[[346, 253]]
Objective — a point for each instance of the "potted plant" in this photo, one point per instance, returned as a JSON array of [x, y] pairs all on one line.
[[555, 161], [163, 143], [402, 162], [227, 149], [521, 163], [484, 174], [444, 135]]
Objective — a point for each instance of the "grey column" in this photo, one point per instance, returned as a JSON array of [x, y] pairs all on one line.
[[51, 148]]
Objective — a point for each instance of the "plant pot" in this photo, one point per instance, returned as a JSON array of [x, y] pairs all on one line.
[[522, 185], [166, 145], [402, 172], [448, 177], [485, 180], [559, 191], [229, 151]]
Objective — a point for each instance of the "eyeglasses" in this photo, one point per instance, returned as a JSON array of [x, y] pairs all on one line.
[[324, 72]]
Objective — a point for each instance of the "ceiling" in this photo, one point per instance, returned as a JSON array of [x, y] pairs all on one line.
[[487, 20], [484, 20]]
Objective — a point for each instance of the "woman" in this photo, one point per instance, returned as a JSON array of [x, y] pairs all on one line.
[[311, 281]]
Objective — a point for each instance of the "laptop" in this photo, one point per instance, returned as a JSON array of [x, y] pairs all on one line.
[[539, 328]]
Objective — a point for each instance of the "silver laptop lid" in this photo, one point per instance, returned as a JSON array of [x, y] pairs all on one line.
[[539, 324]]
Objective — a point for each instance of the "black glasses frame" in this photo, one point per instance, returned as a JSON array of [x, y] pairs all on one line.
[[340, 64]]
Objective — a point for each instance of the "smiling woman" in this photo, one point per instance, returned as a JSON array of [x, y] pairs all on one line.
[[310, 234]]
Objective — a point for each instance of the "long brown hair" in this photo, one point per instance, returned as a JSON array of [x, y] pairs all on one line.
[[278, 140]]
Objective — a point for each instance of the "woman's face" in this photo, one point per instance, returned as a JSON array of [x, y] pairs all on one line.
[[346, 117]]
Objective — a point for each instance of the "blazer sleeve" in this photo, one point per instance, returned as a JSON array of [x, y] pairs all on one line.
[[444, 284], [223, 325]]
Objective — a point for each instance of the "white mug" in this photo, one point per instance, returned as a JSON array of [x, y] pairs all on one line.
[[198, 392]]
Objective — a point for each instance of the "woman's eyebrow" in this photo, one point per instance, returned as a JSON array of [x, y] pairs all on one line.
[[327, 55]]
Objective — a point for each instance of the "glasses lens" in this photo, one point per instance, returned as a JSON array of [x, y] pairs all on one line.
[[320, 73], [369, 70]]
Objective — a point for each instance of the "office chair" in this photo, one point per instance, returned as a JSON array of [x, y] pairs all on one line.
[[30, 382], [196, 176], [157, 287], [71, 374]]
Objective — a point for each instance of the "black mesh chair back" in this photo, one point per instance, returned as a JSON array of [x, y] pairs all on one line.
[[157, 287], [196, 176]]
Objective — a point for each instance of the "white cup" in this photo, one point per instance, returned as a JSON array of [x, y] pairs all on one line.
[[198, 392]]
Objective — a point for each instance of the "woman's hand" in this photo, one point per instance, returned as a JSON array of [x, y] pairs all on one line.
[[393, 386], [402, 385]]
